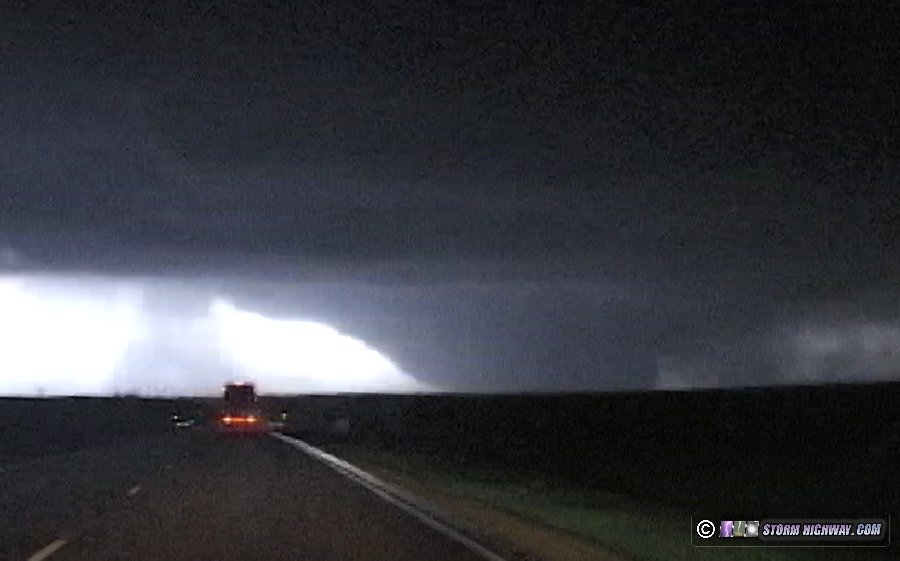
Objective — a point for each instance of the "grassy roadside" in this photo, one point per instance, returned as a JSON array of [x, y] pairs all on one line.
[[632, 528]]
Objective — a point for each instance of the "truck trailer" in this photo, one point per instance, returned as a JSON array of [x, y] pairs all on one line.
[[241, 412]]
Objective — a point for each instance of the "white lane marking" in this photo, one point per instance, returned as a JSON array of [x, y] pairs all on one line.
[[134, 491], [168, 466], [47, 551], [405, 501]]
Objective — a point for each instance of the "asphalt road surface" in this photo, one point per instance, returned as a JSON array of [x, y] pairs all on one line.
[[197, 496]]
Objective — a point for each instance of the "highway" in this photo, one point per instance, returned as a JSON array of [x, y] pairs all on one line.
[[196, 495]]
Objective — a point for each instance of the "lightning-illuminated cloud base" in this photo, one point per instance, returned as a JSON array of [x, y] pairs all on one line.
[[64, 335], [97, 338]]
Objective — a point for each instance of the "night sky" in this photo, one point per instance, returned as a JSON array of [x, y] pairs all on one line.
[[513, 196]]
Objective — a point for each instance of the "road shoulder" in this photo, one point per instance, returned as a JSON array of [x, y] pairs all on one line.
[[518, 538]]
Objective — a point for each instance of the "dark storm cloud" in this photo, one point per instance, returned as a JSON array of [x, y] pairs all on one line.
[[471, 335], [503, 197]]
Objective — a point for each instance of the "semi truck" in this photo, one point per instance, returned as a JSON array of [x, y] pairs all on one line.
[[241, 412]]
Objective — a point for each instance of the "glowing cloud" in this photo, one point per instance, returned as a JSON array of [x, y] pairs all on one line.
[[87, 336], [288, 354], [60, 345]]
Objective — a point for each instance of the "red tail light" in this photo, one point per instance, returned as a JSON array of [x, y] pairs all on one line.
[[229, 419]]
